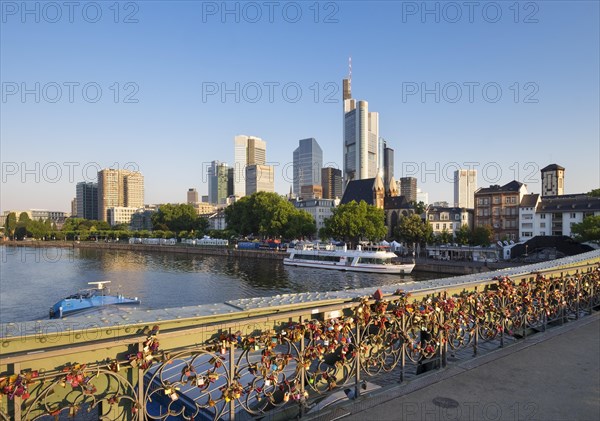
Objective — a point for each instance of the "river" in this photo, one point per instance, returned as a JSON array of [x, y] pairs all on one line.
[[33, 279]]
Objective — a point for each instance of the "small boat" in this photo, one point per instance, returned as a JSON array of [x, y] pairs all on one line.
[[374, 260], [89, 298]]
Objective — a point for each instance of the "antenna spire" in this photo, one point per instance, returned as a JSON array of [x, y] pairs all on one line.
[[350, 69]]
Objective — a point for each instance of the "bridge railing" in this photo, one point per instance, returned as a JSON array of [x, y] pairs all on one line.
[[284, 365]]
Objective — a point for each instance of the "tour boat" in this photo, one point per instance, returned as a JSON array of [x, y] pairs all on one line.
[[378, 260], [87, 299]]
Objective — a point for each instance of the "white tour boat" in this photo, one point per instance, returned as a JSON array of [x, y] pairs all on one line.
[[340, 258]]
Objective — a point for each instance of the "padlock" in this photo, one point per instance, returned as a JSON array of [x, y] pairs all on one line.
[[326, 342], [200, 381], [267, 382], [174, 396], [286, 397]]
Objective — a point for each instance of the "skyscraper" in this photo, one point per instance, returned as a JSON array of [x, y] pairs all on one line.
[[119, 188], [331, 180], [361, 137], [387, 165], [192, 196], [465, 184], [86, 197], [219, 183], [308, 161], [408, 188], [260, 178], [249, 150]]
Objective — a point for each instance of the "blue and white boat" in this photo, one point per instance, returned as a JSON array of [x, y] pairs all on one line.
[[87, 299]]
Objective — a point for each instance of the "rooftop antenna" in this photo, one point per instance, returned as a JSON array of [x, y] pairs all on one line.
[[350, 71]]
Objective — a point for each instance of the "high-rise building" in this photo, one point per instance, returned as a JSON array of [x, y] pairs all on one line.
[[192, 196], [361, 138], [331, 180], [248, 150], [408, 188], [308, 161], [119, 188], [465, 184], [388, 165], [553, 180], [220, 182], [422, 196], [73, 208], [86, 196], [259, 178]]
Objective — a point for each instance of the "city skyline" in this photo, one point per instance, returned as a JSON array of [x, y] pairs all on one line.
[[546, 70]]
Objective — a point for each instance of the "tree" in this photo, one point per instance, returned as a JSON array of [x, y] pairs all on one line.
[[353, 222], [24, 217], [594, 193], [181, 217], [443, 237], [268, 215], [482, 236], [11, 224], [419, 207], [463, 235], [412, 229], [588, 229]]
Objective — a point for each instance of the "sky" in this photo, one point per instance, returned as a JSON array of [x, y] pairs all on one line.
[[164, 87]]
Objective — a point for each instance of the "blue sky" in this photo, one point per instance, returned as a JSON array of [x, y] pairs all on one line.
[[155, 111]]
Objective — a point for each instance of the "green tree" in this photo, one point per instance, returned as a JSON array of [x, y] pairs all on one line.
[[463, 235], [268, 215], [482, 236], [419, 207], [11, 224], [353, 222], [588, 229], [24, 217], [594, 193], [413, 229], [180, 217], [444, 237]]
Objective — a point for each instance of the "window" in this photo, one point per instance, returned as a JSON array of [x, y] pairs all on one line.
[[543, 216], [542, 225], [457, 217], [431, 217], [507, 200], [443, 226], [497, 199], [437, 226], [573, 215]]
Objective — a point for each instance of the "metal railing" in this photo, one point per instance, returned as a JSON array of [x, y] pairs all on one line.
[[284, 365]]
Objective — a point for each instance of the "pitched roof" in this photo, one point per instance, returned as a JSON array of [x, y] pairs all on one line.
[[529, 200], [513, 186], [552, 167], [359, 190], [396, 202], [569, 203]]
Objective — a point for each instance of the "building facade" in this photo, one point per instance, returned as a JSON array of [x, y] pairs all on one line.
[[408, 188], [86, 196], [220, 182], [465, 184], [498, 207], [260, 178], [449, 219], [320, 209], [332, 183], [248, 150], [120, 215], [119, 188], [307, 162], [192, 196], [553, 180], [361, 138]]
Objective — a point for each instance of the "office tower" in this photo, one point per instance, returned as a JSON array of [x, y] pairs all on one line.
[[465, 184], [73, 208], [422, 196], [259, 178], [192, 196], [553, 180], [331, 180], [119, 188], [388, 165], [408, 188], [248, 150], [361, 137], [219, 182], [308, 161], [86, 196]]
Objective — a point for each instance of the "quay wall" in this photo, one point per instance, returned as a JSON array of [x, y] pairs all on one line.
[[422, 265]]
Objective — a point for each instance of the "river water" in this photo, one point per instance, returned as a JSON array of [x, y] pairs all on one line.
[[33, 279]]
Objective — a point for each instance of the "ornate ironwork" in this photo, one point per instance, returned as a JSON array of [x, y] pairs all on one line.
[[299, 362]]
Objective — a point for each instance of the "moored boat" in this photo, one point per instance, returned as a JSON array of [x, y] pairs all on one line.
[[87, 299], [377, 260]]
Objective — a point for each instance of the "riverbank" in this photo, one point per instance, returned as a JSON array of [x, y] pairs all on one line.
[[422, 265]]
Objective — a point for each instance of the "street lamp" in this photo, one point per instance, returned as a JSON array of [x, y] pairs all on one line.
[[526, 248]]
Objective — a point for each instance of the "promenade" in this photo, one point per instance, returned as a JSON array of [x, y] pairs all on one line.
[[550, 376]]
